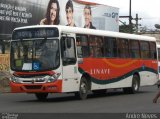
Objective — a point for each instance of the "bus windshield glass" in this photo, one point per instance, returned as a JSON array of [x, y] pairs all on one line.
[[38, 54]]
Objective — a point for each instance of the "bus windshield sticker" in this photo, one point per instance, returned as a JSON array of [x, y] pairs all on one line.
[[36, 66]]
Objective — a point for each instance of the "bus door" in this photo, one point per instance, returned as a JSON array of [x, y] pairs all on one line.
[[69, 63]]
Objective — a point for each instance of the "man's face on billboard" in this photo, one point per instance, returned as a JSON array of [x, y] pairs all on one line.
[[87, 16], [69, 15]]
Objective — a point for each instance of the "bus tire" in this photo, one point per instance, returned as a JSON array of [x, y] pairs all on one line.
[[135, 86], [83, 89], [41, 96]]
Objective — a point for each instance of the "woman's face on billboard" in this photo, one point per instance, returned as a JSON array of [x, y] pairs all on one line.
[[53, 12]]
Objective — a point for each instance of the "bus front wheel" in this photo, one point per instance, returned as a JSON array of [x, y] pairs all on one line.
[[83, 89]]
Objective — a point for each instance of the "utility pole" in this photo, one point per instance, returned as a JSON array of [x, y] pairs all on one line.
[[137, 19], [136, 23], [130, 16]]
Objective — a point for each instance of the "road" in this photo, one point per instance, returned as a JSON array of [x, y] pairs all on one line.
[[112, 102]]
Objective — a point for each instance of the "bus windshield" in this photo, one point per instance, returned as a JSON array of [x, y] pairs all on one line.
[[35, 55]]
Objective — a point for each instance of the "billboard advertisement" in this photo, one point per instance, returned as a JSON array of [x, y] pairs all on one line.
[[16, 13]]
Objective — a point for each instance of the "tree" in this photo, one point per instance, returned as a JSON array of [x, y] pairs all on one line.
[[126, 28]]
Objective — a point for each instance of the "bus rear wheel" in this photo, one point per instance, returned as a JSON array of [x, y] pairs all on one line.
[[83, 89], [135, 85], [41, 96]]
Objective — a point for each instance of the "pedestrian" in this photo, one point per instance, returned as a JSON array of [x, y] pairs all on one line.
[[156, 97]]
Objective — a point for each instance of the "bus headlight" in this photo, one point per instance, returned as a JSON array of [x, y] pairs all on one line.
[[53, 77], [15, 79]]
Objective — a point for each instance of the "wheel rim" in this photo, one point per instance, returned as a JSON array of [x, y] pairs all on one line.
[[135, 85], [83, 88]]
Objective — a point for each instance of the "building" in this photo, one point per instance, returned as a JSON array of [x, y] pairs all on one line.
[[155, 34]]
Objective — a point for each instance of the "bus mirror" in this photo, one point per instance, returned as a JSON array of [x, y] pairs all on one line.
[[68, 43]]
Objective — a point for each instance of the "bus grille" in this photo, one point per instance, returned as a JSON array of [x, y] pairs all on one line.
[[33, 87], [35, 81]]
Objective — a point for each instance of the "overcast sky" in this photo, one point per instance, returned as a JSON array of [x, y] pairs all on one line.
[[148, 10]]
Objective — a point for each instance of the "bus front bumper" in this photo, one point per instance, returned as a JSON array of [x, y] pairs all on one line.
[[54, 87]]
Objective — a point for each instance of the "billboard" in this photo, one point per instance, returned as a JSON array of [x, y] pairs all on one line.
[[16, 13]]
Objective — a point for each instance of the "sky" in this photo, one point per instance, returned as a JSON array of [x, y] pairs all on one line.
[[148, 10]]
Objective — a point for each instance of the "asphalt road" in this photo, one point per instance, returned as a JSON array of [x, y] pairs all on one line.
[[112, 102]]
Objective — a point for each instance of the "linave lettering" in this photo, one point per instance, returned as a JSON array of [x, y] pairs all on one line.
[[99, 71]]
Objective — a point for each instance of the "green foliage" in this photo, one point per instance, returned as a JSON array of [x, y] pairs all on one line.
[[126, 29]]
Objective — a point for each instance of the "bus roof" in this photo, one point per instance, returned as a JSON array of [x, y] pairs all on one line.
[[78, 30]]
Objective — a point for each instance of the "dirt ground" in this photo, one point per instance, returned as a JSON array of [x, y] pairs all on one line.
[[4, 81]]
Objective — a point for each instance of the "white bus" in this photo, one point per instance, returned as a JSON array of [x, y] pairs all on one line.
[[61, 59], [158, 50]]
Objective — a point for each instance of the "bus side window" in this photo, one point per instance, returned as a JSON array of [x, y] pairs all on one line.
[[110, 47], [153, 52], [144, 49], [134, 48], [82, 46], [96, 46], [123, 49], [68, 50], [79, 48], [99, 47]]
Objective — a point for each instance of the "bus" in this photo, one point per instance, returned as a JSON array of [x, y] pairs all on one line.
[[61, 59], [158, 50]]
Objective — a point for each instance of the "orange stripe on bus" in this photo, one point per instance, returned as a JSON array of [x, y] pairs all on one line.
[[119, 65]]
